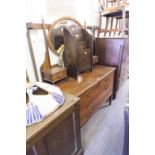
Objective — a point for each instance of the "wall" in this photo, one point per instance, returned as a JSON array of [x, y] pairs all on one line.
[[82, 10]]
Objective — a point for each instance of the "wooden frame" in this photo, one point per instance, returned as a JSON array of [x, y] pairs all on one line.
[[117, 11]]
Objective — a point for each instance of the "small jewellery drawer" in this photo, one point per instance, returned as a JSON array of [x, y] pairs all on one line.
[[84, 52], [58, 76], [54, 74]]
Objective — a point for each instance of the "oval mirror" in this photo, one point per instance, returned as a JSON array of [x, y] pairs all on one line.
[[55, 33]]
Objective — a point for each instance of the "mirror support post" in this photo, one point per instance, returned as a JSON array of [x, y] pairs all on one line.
[[32, 54]]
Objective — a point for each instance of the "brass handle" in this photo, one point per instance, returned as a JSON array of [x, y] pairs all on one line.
[[85, 52]]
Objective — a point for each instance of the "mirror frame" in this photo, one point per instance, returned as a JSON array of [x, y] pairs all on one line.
[[52, 28]]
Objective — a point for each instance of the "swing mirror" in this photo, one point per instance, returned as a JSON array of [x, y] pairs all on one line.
[[55, 33]]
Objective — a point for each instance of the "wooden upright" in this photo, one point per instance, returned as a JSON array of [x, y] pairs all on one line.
[[49, 73], [113, 10]]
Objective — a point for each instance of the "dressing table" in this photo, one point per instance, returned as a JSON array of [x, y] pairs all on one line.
[[90, 90], [94, 89]]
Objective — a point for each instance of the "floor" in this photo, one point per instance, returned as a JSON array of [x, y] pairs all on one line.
[[103, 134]]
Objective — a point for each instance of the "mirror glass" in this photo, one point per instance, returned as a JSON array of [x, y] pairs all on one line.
[[55, 33]]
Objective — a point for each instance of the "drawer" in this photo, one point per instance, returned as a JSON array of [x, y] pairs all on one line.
[[54, 77], [97, 94], [84, 117], [86, 95], [107, 81], [102, 96], [85, 106], [103, 90], [109, 77], [58, 76], [81, 45], [96, 90], [84, 62], [85, 103], [84, 52]]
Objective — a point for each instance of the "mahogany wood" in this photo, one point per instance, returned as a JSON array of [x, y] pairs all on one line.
[[53, 74], [57, 134], [78, 51], [47, 63], [37, 26], [95, 59], [49, 73], [114, 52], [93, 88]]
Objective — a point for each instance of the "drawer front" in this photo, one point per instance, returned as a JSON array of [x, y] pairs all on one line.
[[97, 94], [86, 107], [103, 91], [84, 55], [81, 45], [54, 77], [58, 76], [96, 90], [86, 102], [107, 81], [84, 119], [86, 95], [84, 60], [86, 113], [83, 52]]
